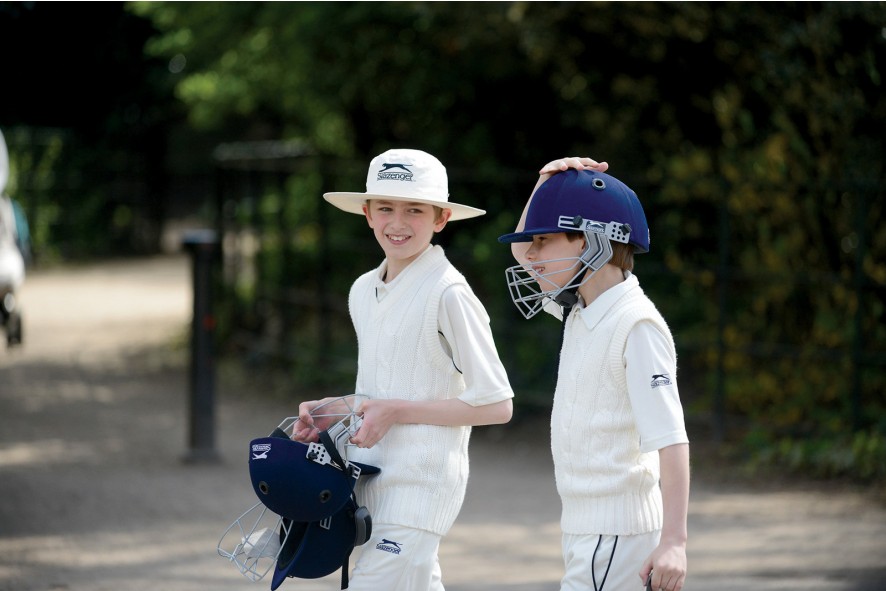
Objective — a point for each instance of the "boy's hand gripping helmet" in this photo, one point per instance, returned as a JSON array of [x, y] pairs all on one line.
[[307, 520], [594, 203]]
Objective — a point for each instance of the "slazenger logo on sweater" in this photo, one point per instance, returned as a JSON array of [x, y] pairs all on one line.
[[385, 174], [660, 379], [388, 546], [260, 451]]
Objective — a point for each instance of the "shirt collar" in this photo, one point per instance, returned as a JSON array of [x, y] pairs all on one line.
[[592, 314], [381, 288]]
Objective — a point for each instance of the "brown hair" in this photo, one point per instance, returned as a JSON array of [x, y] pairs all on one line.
[[622, 256]]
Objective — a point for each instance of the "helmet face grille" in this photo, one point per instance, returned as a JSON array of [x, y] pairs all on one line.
[[252, 543], [531, 291]]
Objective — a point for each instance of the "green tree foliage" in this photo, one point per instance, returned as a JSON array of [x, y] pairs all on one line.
[[753, 133], [84, 111]]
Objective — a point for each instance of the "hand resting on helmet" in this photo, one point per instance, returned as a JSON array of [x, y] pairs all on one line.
[[319, 415]]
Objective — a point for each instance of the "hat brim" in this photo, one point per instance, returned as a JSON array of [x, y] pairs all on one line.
[[353, 203]]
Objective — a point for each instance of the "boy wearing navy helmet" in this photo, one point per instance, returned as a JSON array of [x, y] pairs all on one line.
[[618, 438]]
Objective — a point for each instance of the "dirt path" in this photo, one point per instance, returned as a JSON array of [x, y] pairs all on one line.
[[94, 495]]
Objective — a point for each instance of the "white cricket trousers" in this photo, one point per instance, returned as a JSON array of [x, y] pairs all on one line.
[[397, 559], [605, 563]]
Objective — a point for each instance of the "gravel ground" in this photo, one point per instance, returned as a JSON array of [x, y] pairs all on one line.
[[96, 495]]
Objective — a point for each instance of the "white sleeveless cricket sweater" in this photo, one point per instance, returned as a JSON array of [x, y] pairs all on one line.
[[424, 468], [606, 484]]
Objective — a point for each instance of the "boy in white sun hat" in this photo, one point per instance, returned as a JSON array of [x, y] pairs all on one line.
[[428, 363]]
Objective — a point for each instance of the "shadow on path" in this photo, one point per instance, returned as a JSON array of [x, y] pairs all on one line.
[[94, 494]]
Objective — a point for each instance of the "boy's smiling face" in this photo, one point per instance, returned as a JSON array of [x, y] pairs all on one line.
[[403, 229], [553, 259]]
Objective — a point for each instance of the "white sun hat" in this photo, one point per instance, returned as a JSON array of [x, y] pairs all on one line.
[[404, 175]]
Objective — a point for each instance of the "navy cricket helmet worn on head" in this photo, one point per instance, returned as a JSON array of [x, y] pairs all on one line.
[[594, 196], [309, 488], [593, 203]]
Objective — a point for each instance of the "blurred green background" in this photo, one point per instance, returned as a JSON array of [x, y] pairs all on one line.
[[752, 132]]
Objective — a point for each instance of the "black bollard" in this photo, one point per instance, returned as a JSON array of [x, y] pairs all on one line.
[[203, 248]]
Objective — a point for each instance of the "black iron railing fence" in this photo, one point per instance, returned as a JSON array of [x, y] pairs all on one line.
[[289, 259]]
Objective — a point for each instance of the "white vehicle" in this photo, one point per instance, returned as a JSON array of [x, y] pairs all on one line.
[[12, 263]]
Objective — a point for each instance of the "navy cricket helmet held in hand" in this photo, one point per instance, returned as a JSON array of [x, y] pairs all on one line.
[[308, 520], [594, 203]]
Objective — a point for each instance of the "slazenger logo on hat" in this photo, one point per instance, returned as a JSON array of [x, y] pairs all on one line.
[[417, 177], [383, 174]]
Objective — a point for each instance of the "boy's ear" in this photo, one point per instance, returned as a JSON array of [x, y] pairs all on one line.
[[441, 221]]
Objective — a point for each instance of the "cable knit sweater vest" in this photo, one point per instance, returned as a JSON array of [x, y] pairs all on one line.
[[607, 486], [424, 468]]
